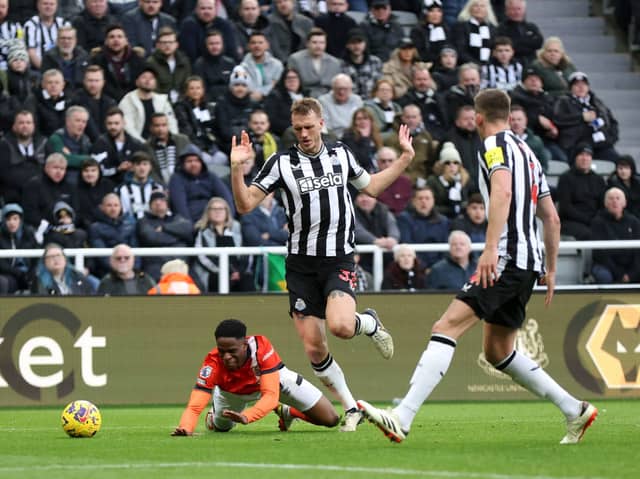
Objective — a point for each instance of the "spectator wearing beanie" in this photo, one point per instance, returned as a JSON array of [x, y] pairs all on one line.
[[449, 182]]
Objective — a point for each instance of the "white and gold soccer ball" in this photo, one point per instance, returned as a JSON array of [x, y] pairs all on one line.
[[81, 419]]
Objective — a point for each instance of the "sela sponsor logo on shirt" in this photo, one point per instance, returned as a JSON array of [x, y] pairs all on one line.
[[310, 183]]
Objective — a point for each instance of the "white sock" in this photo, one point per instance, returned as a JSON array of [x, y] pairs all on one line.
[[365, 324], [431, 368], [528, 374], [331, 375]]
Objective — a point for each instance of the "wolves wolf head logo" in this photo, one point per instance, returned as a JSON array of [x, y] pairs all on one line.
[[614, 346]]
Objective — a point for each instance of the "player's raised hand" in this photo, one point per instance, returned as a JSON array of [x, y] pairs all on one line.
[[240, 152], [235, 416], [405, 140]]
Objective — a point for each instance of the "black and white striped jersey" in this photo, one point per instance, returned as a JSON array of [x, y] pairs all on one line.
[[316, 197], [42, 37], [519, 242]]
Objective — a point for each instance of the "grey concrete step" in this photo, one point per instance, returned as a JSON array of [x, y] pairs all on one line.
[[601, 62], [589, 43], [538, 9], [620, 99], [620, 81], [559, 26]]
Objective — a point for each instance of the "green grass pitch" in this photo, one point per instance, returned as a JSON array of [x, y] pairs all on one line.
[[515, 440]]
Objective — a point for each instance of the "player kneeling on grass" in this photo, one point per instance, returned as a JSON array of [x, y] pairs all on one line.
[[243, 369]]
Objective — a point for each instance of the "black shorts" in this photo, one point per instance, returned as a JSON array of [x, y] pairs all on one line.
[[505, 302], [310, 279]]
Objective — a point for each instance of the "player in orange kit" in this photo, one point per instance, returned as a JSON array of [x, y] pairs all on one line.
[[243, 369]]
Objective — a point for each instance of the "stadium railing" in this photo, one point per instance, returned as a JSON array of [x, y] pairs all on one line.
[[223, 254]]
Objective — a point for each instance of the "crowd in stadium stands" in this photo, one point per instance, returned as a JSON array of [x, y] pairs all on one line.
[[117, 117]]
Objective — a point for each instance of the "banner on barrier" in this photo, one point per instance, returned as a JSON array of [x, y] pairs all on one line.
[[139, 350]]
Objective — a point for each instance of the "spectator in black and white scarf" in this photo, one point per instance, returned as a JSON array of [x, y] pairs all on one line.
[[474, 33]]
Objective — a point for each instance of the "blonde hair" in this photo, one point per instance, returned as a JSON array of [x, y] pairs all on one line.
[[306, 105], [465, 13], [564, 61], [203, 222], [174, 266]]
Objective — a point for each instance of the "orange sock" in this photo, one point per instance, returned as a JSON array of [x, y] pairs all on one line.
[[300, 415]]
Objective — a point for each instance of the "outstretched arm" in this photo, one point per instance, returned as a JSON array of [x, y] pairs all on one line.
[[197, 403], [245, 197], [381, 180]]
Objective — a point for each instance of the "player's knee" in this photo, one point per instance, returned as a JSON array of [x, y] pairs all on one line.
[[333, 420], [495, 356], [341, 327]]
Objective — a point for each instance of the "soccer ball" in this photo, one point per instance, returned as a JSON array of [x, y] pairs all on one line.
[[81, 419]]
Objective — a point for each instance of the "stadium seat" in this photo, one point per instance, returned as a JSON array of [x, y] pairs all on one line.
[[556, 168], [357, 16], [407, 20], [603, 167]]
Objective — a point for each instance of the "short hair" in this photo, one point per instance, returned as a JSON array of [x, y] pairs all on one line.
[[94, 69], [157, 114], [55, 158], [257, 33], [403, 247], [89, 162], [475, 198], [111, 195], [174, 266], [464, 108], [518, 108], [114, 110], [305, 106], [112, 27], [67, 28], [231, 328], [52, 72], [460, 234], [165, 32], [419, 189], [140, 156], [75, 109], [316, 32], [214, 33], [493, 104], [501, 41], [258, 111], [419, 66], [466, 67], [22, 113]]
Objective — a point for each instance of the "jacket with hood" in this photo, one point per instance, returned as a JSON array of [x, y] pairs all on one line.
[[418, 228], [243, 31], [232, 115], [283, 32], [66, 235], [79, 62], [382, 38], [89, 198], [271, 70], [17, 169], [106, 232], [215, 71], [605, 227], [190, 194], [97, 108], [50, 111], [632, 191], [193, 34], [22, 269], [41, 193], [172, 231], [168, 79], [119, 83]]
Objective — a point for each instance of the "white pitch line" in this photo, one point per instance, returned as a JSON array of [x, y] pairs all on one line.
[[298, 467]]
